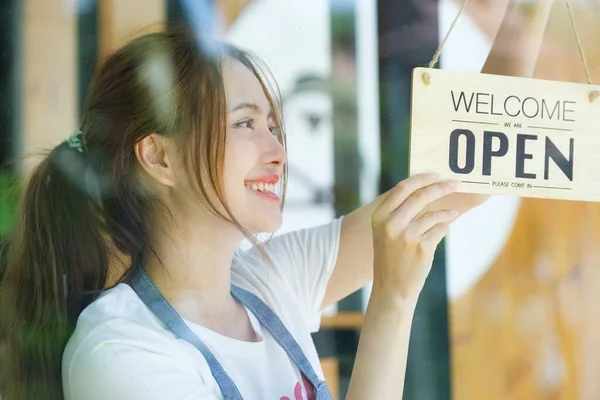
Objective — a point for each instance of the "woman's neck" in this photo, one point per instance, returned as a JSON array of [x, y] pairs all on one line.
[[191, 266]]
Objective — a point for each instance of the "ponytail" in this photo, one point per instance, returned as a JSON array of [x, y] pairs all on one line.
[[57, 261]]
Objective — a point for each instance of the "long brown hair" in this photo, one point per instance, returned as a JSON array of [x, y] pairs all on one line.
[[82, 210]]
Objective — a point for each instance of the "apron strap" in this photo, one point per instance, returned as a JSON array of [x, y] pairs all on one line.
[[150, 295], [271, 322]]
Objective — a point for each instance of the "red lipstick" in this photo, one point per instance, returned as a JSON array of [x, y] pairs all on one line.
[[270, 178]]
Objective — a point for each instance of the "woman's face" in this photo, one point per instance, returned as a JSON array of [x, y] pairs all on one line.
[[254, 158]]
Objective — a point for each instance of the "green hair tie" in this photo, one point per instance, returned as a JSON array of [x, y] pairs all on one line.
[[75, 141]]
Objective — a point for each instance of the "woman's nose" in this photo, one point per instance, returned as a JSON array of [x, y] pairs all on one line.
[[274, 152]]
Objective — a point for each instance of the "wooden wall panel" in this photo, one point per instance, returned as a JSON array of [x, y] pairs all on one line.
[[513, 334], [231, 9], [48, 95], [121, 20], [587, 308], [529, 329], [331, 372]]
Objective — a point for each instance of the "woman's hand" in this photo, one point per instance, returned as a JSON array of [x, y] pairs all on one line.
[[405, 237]]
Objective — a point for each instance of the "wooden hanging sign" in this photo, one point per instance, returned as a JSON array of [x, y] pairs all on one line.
[[506, 135]]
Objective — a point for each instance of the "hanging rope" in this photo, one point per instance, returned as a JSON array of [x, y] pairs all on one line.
[[436, 55], [579, 46]]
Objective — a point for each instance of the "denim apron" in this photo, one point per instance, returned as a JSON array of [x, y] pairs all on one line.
[[150, 295]]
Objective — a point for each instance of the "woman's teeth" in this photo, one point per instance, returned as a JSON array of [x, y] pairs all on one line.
[[262, 187]]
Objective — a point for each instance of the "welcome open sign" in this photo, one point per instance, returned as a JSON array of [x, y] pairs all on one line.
[[505, 135]]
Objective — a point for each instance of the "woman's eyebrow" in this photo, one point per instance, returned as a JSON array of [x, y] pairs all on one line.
[[242, 106]]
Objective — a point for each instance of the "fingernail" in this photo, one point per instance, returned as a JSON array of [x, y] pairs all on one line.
[[453, 184], [453, 213], [434, 175]]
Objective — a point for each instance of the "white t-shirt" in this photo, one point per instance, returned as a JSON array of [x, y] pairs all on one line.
[[121, 351]]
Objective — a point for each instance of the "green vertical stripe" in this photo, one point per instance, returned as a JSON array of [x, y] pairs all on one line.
[[345, 121], [403, 47]]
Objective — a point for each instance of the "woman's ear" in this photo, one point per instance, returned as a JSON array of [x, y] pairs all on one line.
[[153, 157]]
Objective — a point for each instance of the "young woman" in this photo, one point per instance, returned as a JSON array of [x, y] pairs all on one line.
[[125, 280]]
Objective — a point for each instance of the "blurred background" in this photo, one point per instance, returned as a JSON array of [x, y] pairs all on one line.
[[511, 308]]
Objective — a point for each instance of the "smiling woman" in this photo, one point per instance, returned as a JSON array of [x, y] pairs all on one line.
[[180, 155]]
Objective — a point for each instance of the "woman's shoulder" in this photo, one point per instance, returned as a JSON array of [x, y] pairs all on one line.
[[119, 349], [289, 247], [117, 316], [294, 258], [119, 304]]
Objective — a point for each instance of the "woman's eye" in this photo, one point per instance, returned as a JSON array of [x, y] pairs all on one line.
[[274, 130], [244, 124]]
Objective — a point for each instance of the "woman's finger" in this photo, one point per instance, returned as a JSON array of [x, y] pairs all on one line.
[[432, 238], [427, 221], [416, 203], [399, 193]]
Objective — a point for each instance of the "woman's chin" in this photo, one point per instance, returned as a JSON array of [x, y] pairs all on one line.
[[266, 225]]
